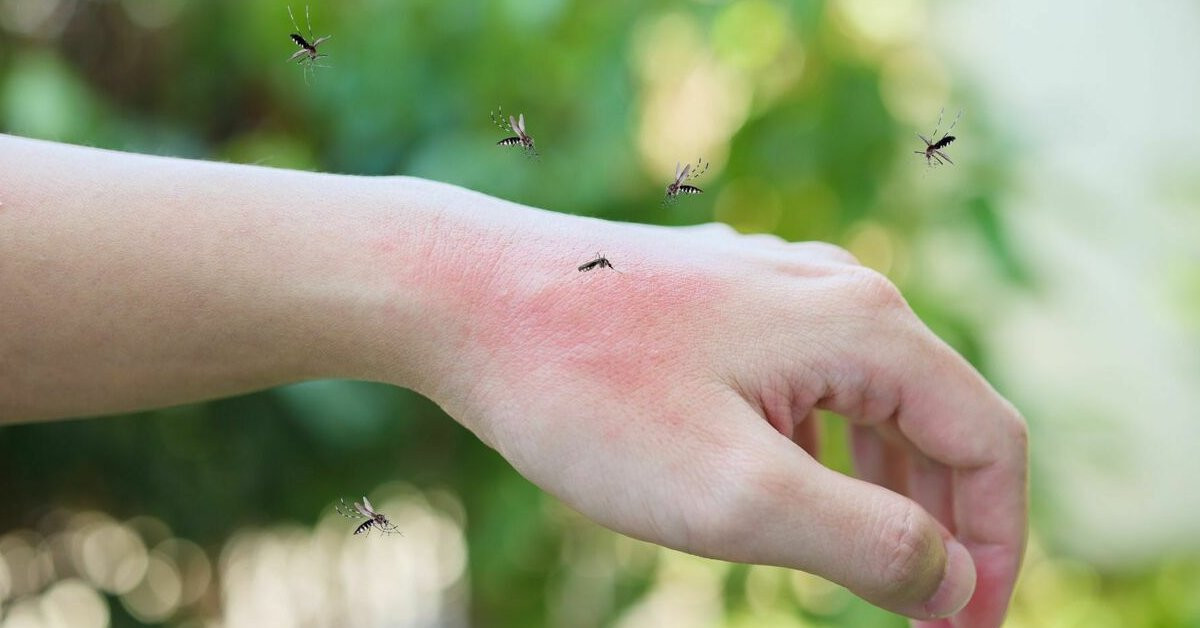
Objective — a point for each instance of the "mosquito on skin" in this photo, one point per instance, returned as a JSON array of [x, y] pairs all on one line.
[[685, 173], [933, 149], [307, 54], [599, 262], [516, 126], [364, 509]]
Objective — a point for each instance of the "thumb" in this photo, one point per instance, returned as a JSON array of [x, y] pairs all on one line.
[[881, 545]]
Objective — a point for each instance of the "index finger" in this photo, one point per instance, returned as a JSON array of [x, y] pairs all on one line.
[[888, 367], [953, 416]]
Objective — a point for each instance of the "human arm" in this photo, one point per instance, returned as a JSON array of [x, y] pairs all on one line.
[[672, 400], [134, 281]]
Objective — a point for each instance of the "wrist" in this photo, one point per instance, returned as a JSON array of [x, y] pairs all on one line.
[[457, 275], [427, 261]]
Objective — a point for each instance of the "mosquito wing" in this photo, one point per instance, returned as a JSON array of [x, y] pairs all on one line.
[[521, 125], [320, 39], [299, 53], [365, 508], [683, 174]]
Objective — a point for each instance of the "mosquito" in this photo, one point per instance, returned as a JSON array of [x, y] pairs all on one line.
[[516, 126], [307, 54], [685, 173], [599, 262], [933, 149], [364, 509]]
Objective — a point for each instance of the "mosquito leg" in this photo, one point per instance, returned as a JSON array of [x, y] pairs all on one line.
[[939, 122], [308, 18], [343, 510], [952, 125], [294, 24], [500, 121]]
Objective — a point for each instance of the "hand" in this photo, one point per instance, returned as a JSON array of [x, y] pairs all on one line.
[[664, 397], [673, 399]]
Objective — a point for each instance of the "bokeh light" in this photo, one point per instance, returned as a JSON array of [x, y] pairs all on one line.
[[328, 577], [691, 105], [112, 556], [73, 604]]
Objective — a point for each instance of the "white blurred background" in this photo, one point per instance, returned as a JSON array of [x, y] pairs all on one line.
[[1103, 100]]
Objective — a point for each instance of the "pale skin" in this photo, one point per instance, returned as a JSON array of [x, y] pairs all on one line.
[[673, 401]]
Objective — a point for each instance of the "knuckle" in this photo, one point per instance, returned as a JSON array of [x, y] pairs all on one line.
[[832, 252], [1017, 430], [717, 228], [766, 239], [873, 290]]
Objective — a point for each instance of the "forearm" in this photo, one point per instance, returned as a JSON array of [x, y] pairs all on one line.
[[132, 282]]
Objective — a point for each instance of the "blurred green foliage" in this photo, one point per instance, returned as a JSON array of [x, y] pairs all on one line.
[[818, 151]]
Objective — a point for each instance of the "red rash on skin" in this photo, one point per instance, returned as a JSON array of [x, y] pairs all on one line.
[[611, 328], [383, 246], [607, 326]]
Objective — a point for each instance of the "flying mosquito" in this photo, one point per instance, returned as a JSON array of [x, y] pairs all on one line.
[[933, 149], [516, 126], [599, 262], [364, 509], [682, 174], [307, 55]]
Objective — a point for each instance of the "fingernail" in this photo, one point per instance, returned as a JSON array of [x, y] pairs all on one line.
[[958, 583]]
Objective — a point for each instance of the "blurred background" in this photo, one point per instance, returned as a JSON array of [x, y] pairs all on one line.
[[1061, 255]]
